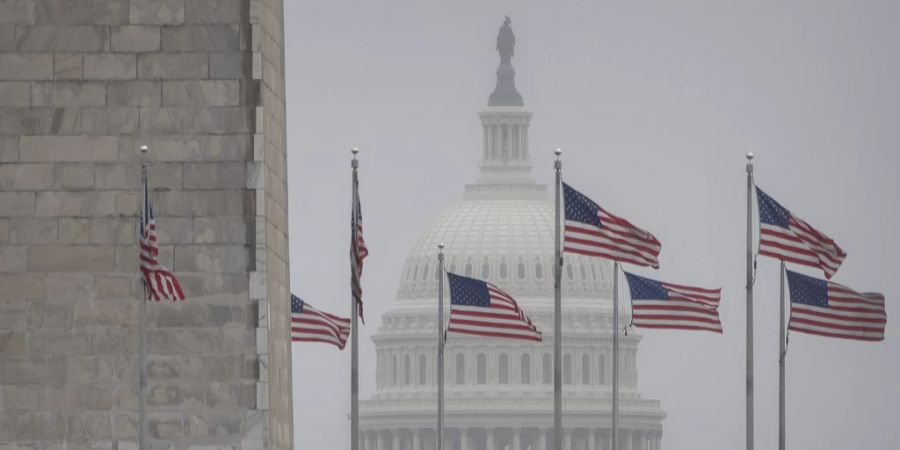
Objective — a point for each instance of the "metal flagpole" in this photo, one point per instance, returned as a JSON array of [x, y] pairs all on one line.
[[440, 361], [557, 317], [782, 352], [750, 268], [354, 313], [615, 358], [142, 334]]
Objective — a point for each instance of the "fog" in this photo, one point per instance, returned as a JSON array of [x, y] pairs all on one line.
[[655, 105]]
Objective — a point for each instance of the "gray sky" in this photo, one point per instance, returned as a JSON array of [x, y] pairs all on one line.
[[655, 104]]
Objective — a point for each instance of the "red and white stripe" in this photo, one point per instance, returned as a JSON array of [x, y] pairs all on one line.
[[160, 282], [708, 297], [312, 325], [504, 319], [675, 314], [849, 315], [800, 244], [617, 240]]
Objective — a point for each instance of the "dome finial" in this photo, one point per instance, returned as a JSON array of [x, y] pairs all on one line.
[[505, 93]]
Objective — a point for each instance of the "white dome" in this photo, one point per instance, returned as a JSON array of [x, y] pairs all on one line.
[[505, 240]]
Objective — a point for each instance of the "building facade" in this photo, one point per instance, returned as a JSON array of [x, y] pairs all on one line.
[[82, 84], [499, 393]]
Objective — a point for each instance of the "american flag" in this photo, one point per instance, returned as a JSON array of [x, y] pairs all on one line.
[[786, 237], [358, 250], [308, 324], [658, 304], [829, 309], [481, 309], [160, 282], [590, 230]]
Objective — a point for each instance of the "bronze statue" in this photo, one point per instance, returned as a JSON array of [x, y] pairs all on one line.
[[506, 41]]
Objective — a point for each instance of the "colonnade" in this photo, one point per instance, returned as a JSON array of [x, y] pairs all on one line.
[[507, 438]]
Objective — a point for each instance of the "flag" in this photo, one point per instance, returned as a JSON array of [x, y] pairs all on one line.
[[358, 250], [786, 237], [160, 282], [829, 309], [590, 230], [479, 308], [657, 304], [311, 325]]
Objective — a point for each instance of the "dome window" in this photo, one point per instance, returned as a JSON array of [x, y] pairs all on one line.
[[485, 270], [567, 369], [503, 270], [585, 369], [425, 273], [503, 370], [520, 270], [570, 272], [525, 373], [481, 369], [406, 374], [594, 271], [394, 372], [547, 369], [468, 269], [583, 273], [460, 369], [538, 271], [602, 370], [422, 370]]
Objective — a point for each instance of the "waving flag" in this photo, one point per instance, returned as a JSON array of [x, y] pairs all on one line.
[[311, 325], [160, 282], [590, 230], [657, 304], [358, 250], [786, 237], [481, 309], [829, 309]]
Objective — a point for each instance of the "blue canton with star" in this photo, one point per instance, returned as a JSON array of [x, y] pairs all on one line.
[[770, 211], [296, 304], [645, 289], [465, 291], [580, 208], [807, 290]]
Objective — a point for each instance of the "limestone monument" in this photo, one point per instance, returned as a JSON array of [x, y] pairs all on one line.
[[83, 83]]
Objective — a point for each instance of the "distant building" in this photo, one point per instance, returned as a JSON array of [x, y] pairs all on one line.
[[499, 393]]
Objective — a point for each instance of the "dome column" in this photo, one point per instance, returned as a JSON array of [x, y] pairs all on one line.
[[567, 438], [415, 439], [517, 439], [489, 440], [463, 439], [591, 445], [542, 439]]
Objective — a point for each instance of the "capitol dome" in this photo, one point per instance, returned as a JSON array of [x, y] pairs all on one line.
[[499, 392]]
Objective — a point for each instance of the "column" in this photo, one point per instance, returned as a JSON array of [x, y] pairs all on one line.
[[591, 444], [415, 439], [463, 439], [395, 439], [542, 439], [490, 438], [567, 439], [517, 439], [625, 439]]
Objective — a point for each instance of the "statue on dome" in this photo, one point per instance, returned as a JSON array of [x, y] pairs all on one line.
[[506, 42]]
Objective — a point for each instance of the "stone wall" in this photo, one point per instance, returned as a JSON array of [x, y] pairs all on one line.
[[82, 84]]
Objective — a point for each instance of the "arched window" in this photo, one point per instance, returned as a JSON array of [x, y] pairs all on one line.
[[406, 370], [538, 271], [394, 372], [526, 369], [503, 270], [422, 370], [583, 273], [460, 369], [594, 271], [520, 270], [503, 370], [567, 369], [425, 273], [569, 272], [481, 369], [602, 370], [485, 270], [585, 369], [468, 269], [547, 369]]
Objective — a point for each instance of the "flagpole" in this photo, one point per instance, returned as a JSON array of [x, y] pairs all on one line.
[[782, 352], [142, 334], [615, 358], [557, 317], [440, 361], [354, 313], [750, 264]]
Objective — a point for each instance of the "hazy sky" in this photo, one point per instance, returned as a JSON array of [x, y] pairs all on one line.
[[655, 104]]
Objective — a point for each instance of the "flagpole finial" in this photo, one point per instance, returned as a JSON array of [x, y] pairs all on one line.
[[441, 246], [354, 163], [557, 152], [144, 149], [355, 151], [750, 156]]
